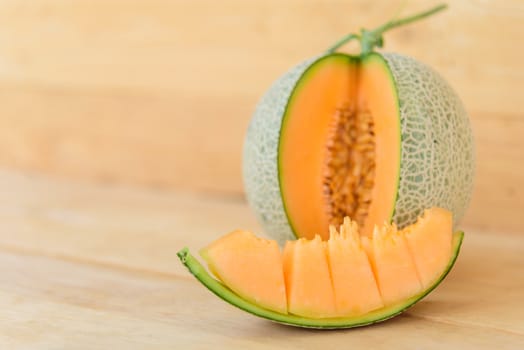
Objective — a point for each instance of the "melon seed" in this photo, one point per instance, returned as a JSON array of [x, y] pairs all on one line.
[[350, 165]]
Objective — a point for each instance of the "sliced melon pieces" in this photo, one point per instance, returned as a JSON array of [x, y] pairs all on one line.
[[251, 267], [356, 291], [392, 264], [429, 241], [345, 282], [308, 280]]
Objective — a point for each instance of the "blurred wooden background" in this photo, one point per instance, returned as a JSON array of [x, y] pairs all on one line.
[[159, 92]]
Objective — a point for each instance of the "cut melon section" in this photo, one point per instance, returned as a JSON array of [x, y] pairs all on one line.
[[345, 282], [308, 282], [354, 285], [379, 137], [327, 85], [429, 241], [347, 111], [236, 257], [392, 264]]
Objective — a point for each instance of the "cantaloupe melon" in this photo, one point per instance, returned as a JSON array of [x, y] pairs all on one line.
[[251, 254], [308, 279], [333, 284], [428, 246], [393, 264], [377, 137], [355, 288]]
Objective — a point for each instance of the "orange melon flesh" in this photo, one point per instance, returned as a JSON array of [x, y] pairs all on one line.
[[330, 84], [251, 267], [430, 243], [392, 264], [308, 282], [377, 91], [354, 285], [347, 276], [334, 82]]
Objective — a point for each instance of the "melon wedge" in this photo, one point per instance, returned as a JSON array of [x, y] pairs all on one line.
[[308, 281], [251, 254], [375, 316], [429, 241], [340, 283], [354, 285], [392, 264]]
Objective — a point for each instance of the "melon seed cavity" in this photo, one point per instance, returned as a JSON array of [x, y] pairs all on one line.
[[349, 165]]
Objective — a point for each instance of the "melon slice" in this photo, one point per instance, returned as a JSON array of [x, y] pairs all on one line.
[[429, 241], [355, 287], [392, 264], [332, 284], [235, 257], [308, 282]]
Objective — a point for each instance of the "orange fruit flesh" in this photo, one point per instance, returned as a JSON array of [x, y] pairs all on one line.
[[251, 267], [308, 281], [429, 241], [356, 291], [336, 82], [393, 265], [346, 276]]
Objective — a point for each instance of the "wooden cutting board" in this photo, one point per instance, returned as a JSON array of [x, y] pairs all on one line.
[[94, 267]]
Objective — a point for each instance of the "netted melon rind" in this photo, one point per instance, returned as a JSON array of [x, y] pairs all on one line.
[[437, 155]]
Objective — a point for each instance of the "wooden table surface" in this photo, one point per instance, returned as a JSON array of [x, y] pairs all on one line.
[[94, 267]]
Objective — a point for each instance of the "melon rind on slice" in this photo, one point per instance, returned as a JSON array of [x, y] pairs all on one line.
[[375, 316], [265, 288]]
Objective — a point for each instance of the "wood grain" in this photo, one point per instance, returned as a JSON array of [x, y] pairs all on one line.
[[94, 267], [160, 92]]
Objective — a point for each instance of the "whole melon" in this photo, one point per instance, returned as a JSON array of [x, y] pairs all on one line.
[[378, 137]]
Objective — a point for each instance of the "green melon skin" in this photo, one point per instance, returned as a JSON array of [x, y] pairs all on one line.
[[437, 153], [375, 316]]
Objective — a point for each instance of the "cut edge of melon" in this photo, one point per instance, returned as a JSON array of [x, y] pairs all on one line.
[[370, 84], [390, 162], [223, 292], [334, 73]]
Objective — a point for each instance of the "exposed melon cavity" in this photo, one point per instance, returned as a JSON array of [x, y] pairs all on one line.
[[346, 109], [250, 266], [349, 172], [346, 281], [376, 138]]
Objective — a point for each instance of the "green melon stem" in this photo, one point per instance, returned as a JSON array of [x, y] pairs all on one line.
[[369, 39]]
